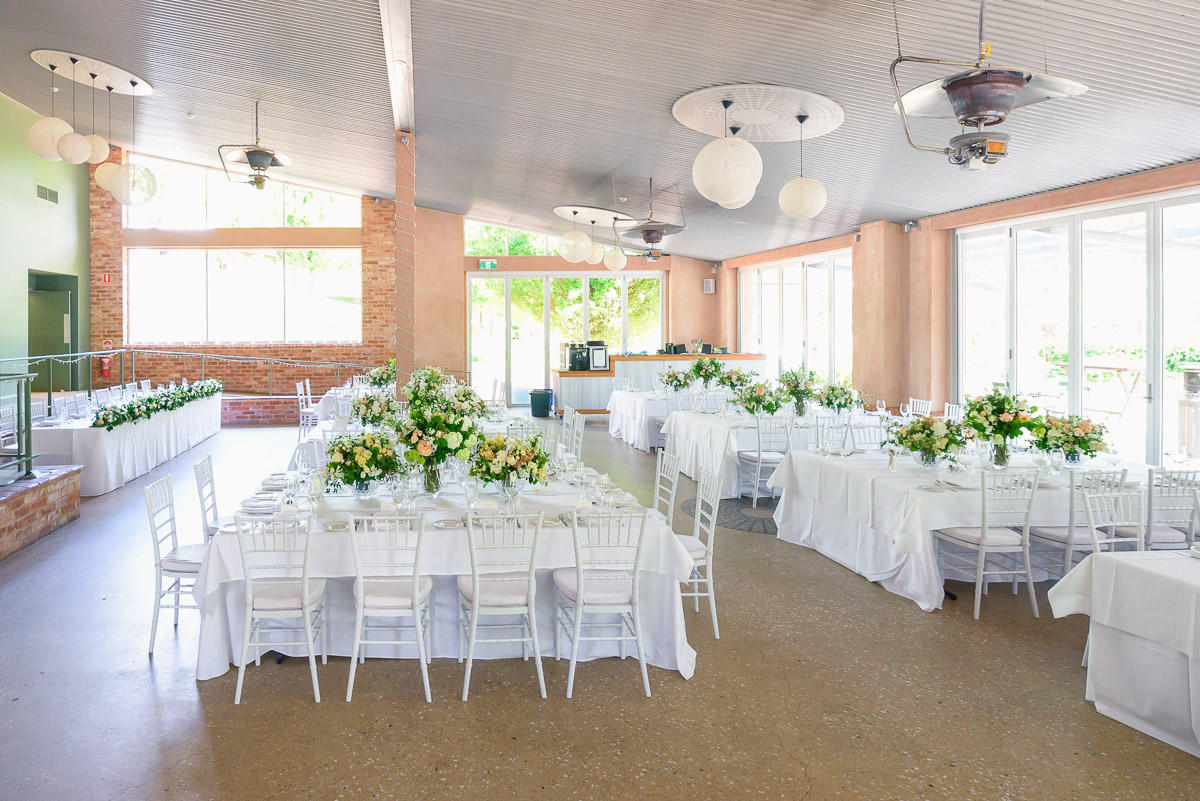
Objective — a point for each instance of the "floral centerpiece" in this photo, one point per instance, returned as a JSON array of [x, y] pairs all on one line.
[[374, 408], [798, 388], [383, 375], [997, 418], [678, 380], [929, 439], [466, 401], [358, 459], [426, 387], [509, 461], [840, 397], [163, 400], [735, 379], [706, 369], [431, 435], [759, 398], [1076, 436]]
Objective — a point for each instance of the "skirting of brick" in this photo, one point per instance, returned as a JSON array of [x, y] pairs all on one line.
[[259, 410], [31, 508]]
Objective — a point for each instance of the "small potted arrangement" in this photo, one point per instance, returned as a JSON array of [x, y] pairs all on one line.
[[510, 462], [374, 408], [798, 388], [677, 380], [759, 399], [997, 418], [735, 379], [383, 375], [1075, 436], [839, 397], [357, 460], [929, 439], [706, 370]]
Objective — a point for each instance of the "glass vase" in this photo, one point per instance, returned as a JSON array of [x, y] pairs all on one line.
[[1073, 459], [512, 487], [926, 460], [363, 489], [432, 479], [1000, 454]]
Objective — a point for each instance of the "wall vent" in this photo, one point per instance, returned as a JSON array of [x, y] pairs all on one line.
[[45, 193]]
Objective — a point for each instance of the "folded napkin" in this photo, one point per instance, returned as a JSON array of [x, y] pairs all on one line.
[[958, 480], [620, 496], [388, 507], [258, 504]]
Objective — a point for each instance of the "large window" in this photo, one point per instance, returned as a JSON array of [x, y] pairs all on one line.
[[519, 322], [483, 239], [191, 196], [1100, 319], [799, 315], [287, 296]]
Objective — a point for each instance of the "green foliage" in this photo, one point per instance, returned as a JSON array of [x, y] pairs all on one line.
[[163, 400], [485, 240]]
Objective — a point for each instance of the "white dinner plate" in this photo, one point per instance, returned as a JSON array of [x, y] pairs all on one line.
[[447, 524], [337, 525]]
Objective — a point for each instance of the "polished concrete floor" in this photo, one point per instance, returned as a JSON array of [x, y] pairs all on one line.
[[822, 686]]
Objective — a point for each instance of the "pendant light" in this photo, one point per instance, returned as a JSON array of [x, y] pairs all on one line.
[[575, 246], [596, 255], [103, 173], [728, 169], [132, 184], [73, 148], [615, 259], [97, 143], [44, 134], [802, 198]]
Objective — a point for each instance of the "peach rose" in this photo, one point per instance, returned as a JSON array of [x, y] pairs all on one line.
[[424, 448], [1006, 417]]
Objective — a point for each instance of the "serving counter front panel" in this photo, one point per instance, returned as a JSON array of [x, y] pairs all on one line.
[[588, 391]]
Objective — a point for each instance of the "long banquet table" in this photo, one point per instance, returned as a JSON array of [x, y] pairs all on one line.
[[630, 413], [879, 523], [710, 441], [110, 459], [219, 589], [1143, 659]]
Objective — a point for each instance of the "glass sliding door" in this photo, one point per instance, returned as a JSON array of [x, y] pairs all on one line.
[[488, 335], [818, 342], [1115, 330], [771, 329], [1043, 324], [644, 302], [983, 312], [751, 312], [843, 317], [1180, 329], [791, 353], [605, 312], [527, 340], [566, 314]]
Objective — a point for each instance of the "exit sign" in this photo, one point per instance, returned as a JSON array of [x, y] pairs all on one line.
[[487, 264]]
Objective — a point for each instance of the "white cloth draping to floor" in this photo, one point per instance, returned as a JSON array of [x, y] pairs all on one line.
[[878, 523], [710, 441], [220, 589], [112, 458], [1143, 658], [630, 413]]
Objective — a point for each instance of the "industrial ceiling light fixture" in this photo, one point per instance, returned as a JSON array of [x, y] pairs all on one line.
[[651, 232], [981, 97], [574, 246], [44, 134], [727, 170], [802, 198], [257, 157]]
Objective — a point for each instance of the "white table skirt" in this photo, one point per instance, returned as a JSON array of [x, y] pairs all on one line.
[[112, 458], [630, 413], [1144, 639], [220, 590], [710, 442]]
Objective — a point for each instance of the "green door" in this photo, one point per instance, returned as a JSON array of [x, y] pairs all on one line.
[[50, 333]]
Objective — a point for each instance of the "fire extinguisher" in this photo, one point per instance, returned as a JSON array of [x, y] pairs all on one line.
[[105, 361]]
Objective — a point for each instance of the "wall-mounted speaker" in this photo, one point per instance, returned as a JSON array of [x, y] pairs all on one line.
[[710, 286]]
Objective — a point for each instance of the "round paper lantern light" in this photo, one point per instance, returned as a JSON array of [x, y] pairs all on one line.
[[99, 146], [575, 246], [727, 170], [132, 184], [597, 254], [615, 260], [802, 198], [737, 204], [104, 174], [44, 134], [74, 148]]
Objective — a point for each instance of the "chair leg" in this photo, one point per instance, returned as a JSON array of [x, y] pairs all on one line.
[[312, 655], [422, 650], [177, 588], [157, 603], [537, 650], [470, 652], [429, 606], [980, 581], [637, 635], [355, 651], [462, 643], [237, 693], [576, 629], [712, 599], [1029, 580], [695, 590], [558, 628], [323, 617]]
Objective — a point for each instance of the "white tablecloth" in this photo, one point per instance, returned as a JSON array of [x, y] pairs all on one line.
[[711, 442], [1144, 639], [112, 458], [220, 589], [630, 413], [878, 523]]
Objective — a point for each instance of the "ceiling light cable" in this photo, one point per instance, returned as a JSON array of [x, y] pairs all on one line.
[[74, 61]]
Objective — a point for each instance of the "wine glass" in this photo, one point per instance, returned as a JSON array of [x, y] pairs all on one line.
[[880, 405], [471, 491], [905, 409], [1057, 458]]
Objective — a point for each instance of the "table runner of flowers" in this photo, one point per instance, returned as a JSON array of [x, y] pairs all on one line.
[[162, 400]]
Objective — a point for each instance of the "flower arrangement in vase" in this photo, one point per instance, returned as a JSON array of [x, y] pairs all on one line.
[[358, 459], [426, 387], [759, 399], [374, 408], [735, 379], [838, 397], [677, 380], [509, 461], [798, 388], [706, 369], [1076, 436], [997, 418], [383, 375], [438, 425], [929, 439]]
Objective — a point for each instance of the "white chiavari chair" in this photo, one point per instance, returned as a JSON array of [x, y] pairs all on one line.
[[309, 418], [1059, 545], [831, 431], [79, 405], [37, 410], [8, 426], [1006, 500], [1109, 514], [666, 484], [605, 581], [183, 382], [577, 430], [144, 386], [388, 585], [345, 406], [771, 446], [179, 564], [1171, 513], [273, 549], [103, 396], [676, 401], [952, 412], [868, 433], [920, 408], [503, 583], [700, 544], [171, 384], [206, 488]]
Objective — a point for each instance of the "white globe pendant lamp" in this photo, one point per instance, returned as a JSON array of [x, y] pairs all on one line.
[[615, 259], [596, 254], [97, 144], [104, 173], [44, 134], [728, 169], [802, 198], [575, 245], [73, 148], [132, 184], [739, 203]]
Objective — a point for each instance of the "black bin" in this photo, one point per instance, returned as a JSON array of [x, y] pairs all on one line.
[[539, 402]]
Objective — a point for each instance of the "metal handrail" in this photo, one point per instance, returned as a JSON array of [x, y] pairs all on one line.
[[24, 426]]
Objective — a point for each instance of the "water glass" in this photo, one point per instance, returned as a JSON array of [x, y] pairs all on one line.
[[471, 491], [1056, 460], [905, 409]]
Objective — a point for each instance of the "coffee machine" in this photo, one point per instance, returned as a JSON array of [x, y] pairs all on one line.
[[574, 356]]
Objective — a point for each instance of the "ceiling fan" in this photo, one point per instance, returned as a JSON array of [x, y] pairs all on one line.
[[979, 98], [257, 157], [652, 231]]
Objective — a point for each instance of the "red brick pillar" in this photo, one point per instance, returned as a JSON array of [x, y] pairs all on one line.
[[406, 175], [107, 258]]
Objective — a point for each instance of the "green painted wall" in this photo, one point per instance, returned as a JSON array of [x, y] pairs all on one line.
[[37, 235]]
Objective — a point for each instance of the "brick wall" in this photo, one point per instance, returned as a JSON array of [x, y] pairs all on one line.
[[259, 410], [32, 508], [109, 305]]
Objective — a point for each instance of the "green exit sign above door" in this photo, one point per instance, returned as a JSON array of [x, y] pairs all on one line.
[[487, 264]]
